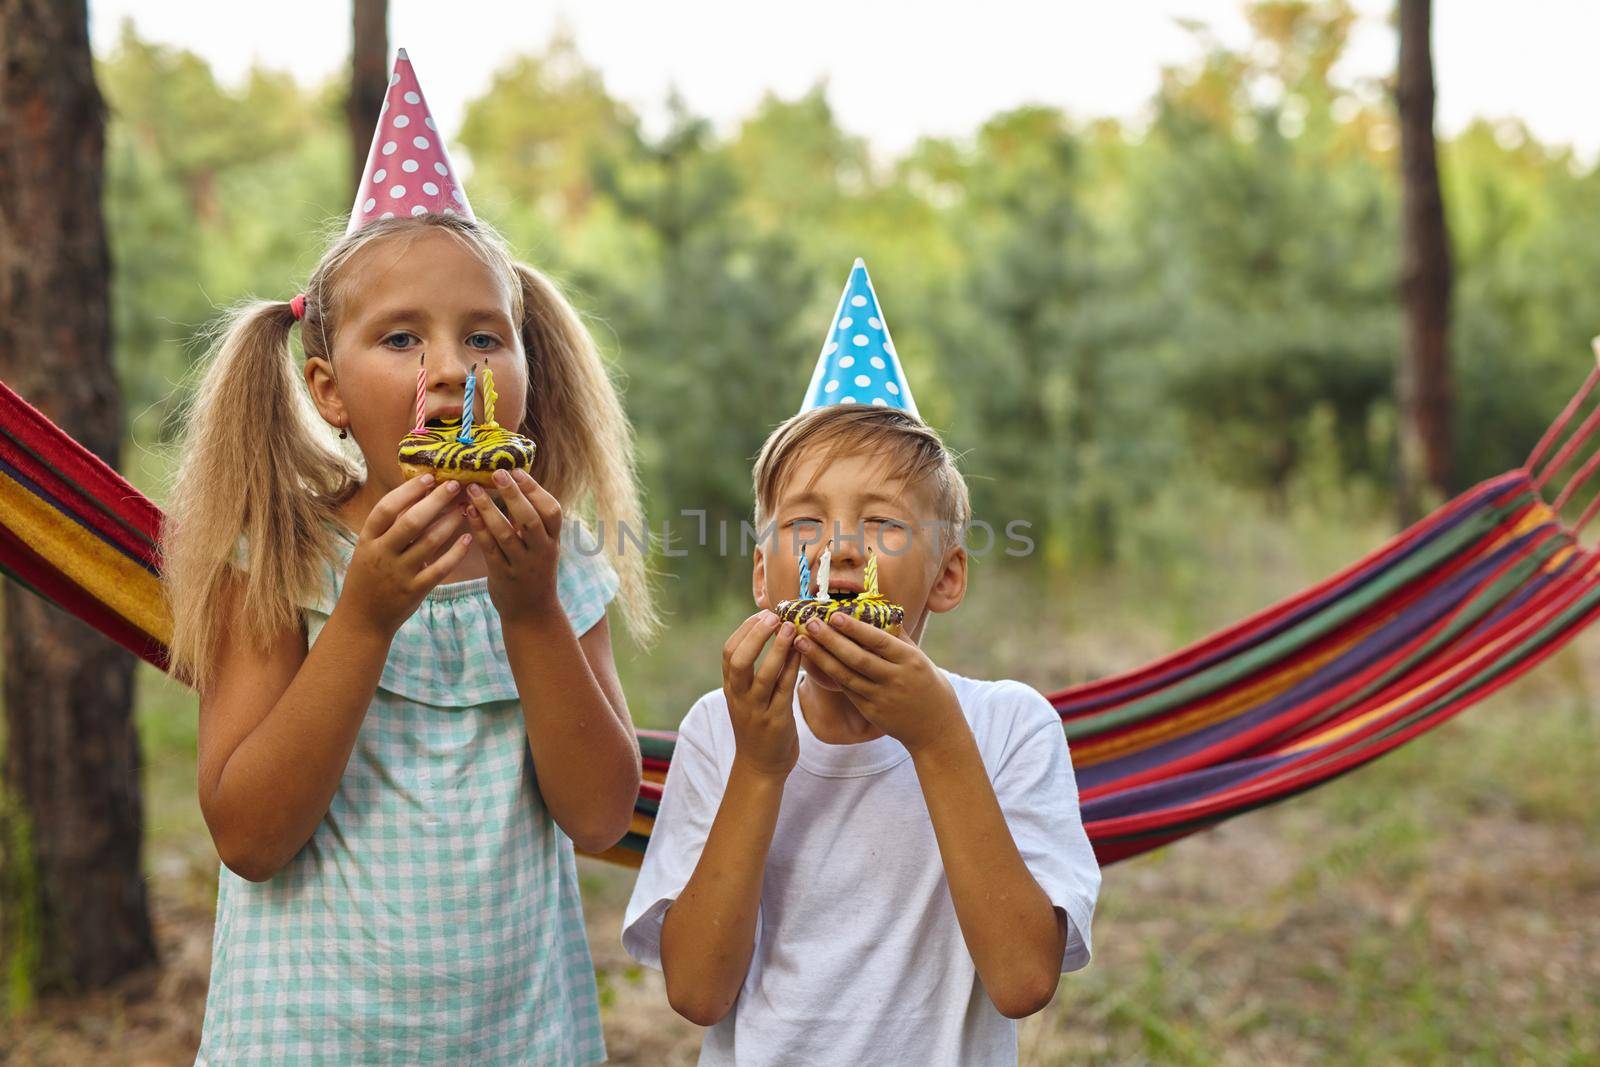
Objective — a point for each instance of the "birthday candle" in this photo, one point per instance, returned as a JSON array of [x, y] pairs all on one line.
[[805, 576], [870, 579], [489, 396], [465, 436], [822, 573], [422, 388]]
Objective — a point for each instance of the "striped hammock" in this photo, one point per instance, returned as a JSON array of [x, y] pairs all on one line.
[[1446, 613]]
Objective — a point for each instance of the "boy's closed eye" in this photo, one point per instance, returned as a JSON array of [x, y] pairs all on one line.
[[805, 530]]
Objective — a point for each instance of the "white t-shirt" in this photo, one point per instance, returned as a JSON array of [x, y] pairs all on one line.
[[858, 956]]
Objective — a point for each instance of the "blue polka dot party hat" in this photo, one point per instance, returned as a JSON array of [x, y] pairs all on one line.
[[858, 364]]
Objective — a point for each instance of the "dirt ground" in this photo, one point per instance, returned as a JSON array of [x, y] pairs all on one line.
[[1441, 906], [1280, 938]]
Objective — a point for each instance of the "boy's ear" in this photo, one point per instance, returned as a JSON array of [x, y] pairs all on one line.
[[950, 586], [758, 579], [325, 391]]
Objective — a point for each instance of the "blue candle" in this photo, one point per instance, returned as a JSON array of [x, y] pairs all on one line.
[[465, 436], [805, 576]]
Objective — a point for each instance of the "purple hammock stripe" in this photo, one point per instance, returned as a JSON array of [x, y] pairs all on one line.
[[1391, 636], [1484, 496]]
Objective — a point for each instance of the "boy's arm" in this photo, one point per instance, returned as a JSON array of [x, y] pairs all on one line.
[[708, 935], [1016, 936], [1014, 933]]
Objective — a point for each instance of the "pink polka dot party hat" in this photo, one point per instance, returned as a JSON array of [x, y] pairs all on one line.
[[408, 171]]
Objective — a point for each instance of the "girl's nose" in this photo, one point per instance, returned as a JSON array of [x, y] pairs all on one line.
[[456, 364]]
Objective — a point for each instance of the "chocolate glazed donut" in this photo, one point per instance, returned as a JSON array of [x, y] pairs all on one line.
[[872, 610], [435, 450]]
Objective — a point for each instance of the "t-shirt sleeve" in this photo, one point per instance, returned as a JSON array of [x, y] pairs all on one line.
[[585, 579], [1038, 793], [689, 803]]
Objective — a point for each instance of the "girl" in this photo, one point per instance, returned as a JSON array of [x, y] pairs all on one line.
[[408, 707]]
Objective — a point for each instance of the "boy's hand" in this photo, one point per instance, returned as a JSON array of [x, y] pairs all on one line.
[[520, 545], [761, 699], [891, 681], [406, 547]]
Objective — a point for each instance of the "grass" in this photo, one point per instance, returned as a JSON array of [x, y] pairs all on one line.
[[1441, 906]]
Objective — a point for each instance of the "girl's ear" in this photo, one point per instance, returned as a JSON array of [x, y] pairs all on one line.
[[325, 391], [758, 580], [950, 586]]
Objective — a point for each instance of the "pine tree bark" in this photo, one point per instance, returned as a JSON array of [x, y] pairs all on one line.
[[369, 79], [71, 769], [1425, 381]]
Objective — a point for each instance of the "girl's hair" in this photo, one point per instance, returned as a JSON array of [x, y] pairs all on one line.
[[261, 472]]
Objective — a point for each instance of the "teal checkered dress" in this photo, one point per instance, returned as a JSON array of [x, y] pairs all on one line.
[[433, 917]]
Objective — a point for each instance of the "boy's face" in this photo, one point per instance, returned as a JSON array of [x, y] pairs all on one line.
[[427, 294], [854, 501]]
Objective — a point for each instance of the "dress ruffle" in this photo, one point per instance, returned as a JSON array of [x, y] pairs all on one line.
[[451, 652]]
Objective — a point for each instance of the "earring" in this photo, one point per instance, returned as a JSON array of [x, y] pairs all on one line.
[[344, 433]]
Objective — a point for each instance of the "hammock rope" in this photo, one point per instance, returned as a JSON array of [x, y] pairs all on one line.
[[1444, 614]]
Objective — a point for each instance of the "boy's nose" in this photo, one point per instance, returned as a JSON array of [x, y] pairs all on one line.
[[846, 548]]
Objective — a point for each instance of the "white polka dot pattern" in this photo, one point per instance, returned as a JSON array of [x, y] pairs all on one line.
[[405, 111], [858, 352]]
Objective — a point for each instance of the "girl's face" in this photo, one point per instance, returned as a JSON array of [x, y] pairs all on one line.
[[417, 297]]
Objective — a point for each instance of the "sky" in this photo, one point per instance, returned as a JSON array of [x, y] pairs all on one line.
[[896, 71]]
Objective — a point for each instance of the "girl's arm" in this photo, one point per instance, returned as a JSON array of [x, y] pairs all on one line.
[[585, 753], [278, 723]]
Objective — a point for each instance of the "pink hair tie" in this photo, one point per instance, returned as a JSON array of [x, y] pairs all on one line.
[[298, 307]]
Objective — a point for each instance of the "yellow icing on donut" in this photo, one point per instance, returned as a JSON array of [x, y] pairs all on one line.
[[872, 609], [493, 448]]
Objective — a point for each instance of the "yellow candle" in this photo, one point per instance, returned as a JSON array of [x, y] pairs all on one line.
[[488, 397]]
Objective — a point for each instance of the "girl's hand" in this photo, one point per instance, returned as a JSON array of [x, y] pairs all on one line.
[[761, 699], [407, 546], [520, 544]]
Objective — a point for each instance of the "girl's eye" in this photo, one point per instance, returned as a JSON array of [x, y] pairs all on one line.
[[490, 341], [394, 339]]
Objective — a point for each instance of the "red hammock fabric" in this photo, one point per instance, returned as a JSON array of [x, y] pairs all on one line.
[[1447, 612]]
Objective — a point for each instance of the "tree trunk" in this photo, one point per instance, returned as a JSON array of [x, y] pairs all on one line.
[[74, 904], [1426, 393], [369, 79]]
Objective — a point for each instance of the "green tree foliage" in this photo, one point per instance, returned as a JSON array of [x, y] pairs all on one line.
[[1095, 312], [705, 321], [213, 193]]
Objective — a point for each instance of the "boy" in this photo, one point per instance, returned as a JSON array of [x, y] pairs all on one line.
[[861, 857]]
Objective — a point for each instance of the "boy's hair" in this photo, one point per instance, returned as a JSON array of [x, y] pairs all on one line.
[[914, 450], [257, 459]]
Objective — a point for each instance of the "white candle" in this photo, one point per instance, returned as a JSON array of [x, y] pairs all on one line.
[[822, 575]]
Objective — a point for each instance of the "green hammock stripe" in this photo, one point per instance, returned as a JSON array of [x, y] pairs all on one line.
[[1480, 605], [1513, 656], [1507, 661], [1305, 775], [1469, 532], [656, 747]]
